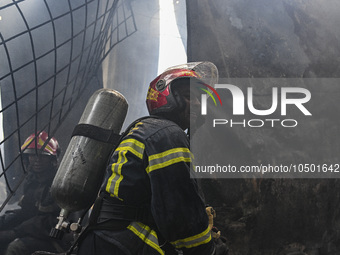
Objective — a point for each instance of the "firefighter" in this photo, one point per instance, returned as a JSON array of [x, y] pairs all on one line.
[[26, 230], [148, 204]]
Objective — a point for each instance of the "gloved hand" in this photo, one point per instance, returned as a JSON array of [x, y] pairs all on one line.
[[220, 242], [221, 246], [7, 236]]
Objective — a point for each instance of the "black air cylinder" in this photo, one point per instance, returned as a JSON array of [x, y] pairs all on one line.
[[81, 171]]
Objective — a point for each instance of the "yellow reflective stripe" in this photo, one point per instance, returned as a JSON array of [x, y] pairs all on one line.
[[132, 145], [47, 147], [115, 179], [168, 152], [168, 158], [26, 144], [146, 234], [135, 128], [193, 241], [40, 142]]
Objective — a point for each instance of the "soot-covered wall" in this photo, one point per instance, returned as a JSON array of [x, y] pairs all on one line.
[[275, 39]]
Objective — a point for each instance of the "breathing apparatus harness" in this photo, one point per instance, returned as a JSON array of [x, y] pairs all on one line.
[[109, 213]]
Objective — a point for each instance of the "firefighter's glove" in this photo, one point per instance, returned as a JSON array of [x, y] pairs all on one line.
[[221, 247], [211, 215], [215, 233], [7, 236], [220, 242]]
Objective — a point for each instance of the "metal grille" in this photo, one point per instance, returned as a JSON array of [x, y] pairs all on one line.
[[50, 51]]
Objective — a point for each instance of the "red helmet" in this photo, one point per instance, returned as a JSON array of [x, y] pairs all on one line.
[[42, 144], [160, 98]]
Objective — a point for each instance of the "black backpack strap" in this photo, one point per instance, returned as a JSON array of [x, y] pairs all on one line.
[[96, 133], [112, 209]]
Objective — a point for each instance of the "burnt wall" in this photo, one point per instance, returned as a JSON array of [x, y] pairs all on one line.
[[275, 39]]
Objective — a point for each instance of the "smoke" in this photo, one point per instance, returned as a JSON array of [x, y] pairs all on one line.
[[132, 65], [51, 57]]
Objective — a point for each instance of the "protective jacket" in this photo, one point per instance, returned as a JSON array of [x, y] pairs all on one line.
[[35, 218], [150, 170], [37, 212]]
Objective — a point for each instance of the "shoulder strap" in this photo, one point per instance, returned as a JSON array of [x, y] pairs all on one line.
[[96, 133]]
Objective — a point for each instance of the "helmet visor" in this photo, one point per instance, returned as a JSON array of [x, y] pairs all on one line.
[[207, 72]]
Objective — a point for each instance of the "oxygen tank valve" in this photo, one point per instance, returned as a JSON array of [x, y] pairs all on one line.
[[76, 227], [82, 169], [61, 226]]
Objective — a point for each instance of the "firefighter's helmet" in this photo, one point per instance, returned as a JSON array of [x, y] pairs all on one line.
[[41, 143], [160, 97]]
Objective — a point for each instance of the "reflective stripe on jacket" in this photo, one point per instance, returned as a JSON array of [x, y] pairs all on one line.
[[151, 166]]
